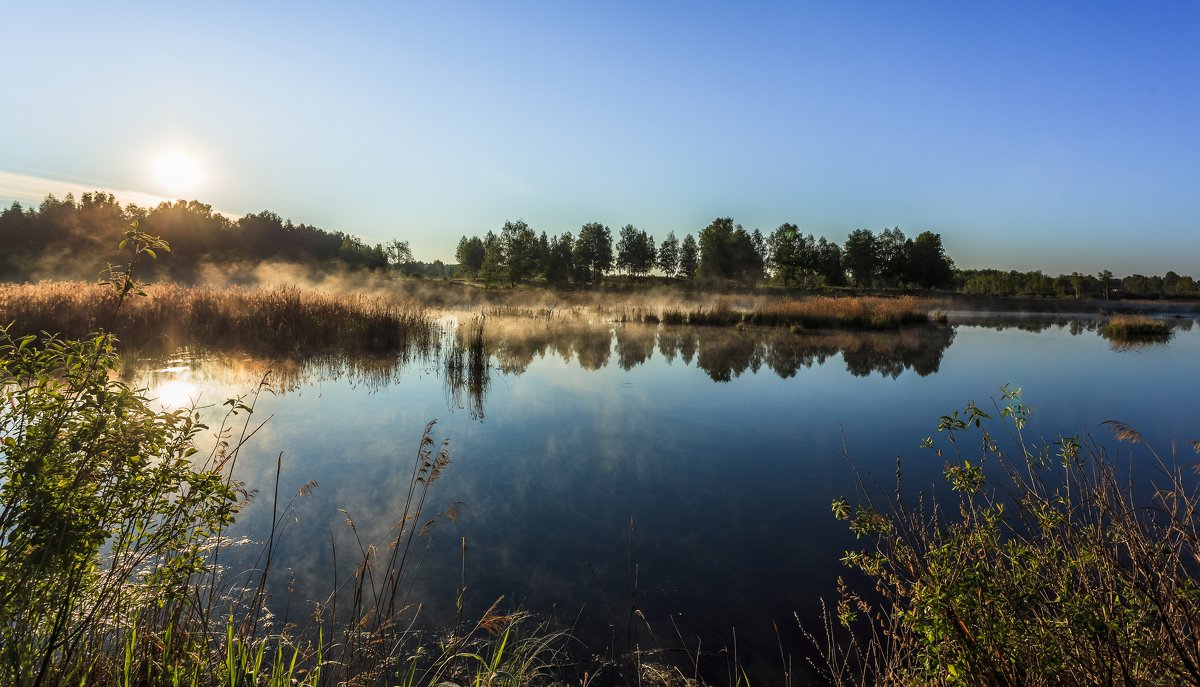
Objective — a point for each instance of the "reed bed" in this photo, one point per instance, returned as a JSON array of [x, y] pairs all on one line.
[[816, 312], [1130, 327], [272, 318]]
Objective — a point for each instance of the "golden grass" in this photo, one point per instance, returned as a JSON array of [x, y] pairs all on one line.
[[273, 318], [817, 312], [1136, 326]]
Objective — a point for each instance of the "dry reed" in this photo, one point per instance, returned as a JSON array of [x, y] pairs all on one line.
[[272, 318], [1124, 327]]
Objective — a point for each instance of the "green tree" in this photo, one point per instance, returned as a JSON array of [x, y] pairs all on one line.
[[520, 250], [1078, 283], [668, 255], [861, 256], [1105, 278], [828, 263], [1170, 283], [928, 264], [491, 270], [689, 258], [470, 255], [716, 249], [1187, 285], [399, 255], [593, 250], [635, 251], [892, 256], [790, 253], [749, 255], [559, 264]]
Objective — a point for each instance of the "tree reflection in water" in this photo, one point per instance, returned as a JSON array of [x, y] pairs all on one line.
[[723, 353]]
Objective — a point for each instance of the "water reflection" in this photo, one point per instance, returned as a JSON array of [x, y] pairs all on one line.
[[724, 446], [723, 353]]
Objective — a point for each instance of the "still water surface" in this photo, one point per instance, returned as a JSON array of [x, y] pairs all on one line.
[[688, 471]]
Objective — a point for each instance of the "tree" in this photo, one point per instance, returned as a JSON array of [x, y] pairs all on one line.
[[1105, 278], [760, 248], [730, 252], [470, 255], [787, 250], [1186, 285], [716, 241], [668, 255], [749, 255], [398, 254], [558, 265], [890, 243], [520, 252], [1170, 283], [491, 269], [635, 251], [593, 250], [689, 258], [828, 262], [861, 256], [928, 264]]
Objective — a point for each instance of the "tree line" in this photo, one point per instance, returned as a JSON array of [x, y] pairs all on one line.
[[721, 252], [76, 238], [1103, 284]]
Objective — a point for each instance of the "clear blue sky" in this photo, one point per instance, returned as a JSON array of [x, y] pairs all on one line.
[[1055, 136]]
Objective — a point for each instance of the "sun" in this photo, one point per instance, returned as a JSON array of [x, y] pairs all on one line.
[[177, 173]]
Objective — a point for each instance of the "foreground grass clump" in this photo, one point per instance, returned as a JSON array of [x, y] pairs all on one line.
[[1049, 565], [271, 318], [1133, 327]]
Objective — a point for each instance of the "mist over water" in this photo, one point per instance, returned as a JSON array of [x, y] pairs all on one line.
[[686, 472]]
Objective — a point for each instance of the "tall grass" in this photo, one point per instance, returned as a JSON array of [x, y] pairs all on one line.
[[814, 312], [864, 312], [260, 319]]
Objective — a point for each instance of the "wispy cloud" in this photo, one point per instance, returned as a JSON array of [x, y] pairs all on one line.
[[32, 189]]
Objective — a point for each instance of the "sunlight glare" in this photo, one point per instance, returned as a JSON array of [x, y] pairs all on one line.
[[177, 173], [176, 394]]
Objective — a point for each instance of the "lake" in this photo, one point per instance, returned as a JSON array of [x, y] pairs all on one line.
[[686, 472]]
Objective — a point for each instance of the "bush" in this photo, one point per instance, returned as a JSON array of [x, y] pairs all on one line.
[[1044, 569], [104, 509]]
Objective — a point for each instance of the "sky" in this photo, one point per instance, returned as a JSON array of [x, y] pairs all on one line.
[[1043, 135]]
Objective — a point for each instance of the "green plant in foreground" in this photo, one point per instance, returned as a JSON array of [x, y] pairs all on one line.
[[104, 508], [1048, 565]]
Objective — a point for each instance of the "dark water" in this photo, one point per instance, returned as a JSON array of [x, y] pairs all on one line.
[[687, 471]]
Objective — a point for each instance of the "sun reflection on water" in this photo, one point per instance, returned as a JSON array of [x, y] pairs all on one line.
[[175, 394]]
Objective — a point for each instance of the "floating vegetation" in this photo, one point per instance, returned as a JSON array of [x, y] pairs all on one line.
[[1134, 326], [1135, 331]]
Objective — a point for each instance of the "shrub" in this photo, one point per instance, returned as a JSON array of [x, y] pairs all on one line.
[[104, 508], [1045, 568]]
